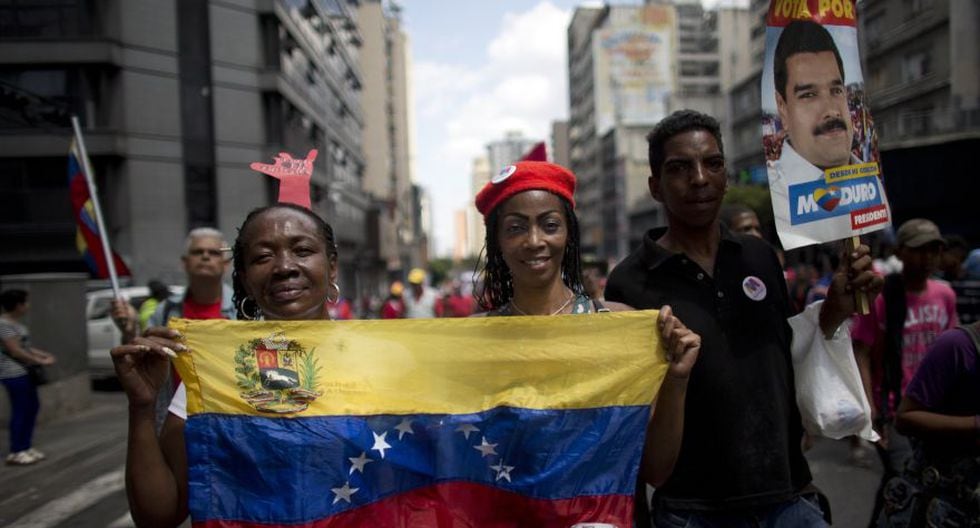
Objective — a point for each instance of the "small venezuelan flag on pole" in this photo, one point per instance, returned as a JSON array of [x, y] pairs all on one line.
[[90, 234]]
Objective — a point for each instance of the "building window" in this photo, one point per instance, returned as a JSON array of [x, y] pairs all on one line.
[[915, 66], [49, 19], [914, 8], [38, 97]]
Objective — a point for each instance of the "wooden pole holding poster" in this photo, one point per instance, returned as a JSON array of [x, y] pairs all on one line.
[[860, 298]]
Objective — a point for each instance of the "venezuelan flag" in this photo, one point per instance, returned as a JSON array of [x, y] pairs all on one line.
[[501, 421], [87, 229]]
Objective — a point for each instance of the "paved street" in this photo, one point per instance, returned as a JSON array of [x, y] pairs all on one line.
[[81, 483]]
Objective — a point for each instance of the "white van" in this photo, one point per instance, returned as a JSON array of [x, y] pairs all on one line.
[[102, 332]]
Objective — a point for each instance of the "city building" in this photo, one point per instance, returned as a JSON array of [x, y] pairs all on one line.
[[506, 151], [698, 68], [621, 80], [387, 143], [922, 59], [176, 98], [461, 235], [559, 143], [743, 145], [479, 176]]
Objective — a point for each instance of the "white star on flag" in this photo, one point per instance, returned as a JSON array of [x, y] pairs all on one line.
[[404, 427], [466, 429], [379, 443], [358, 463], [485, 448], [503, 472], [343, 493]]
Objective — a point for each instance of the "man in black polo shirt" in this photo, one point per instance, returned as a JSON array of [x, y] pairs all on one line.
[[740, 461]]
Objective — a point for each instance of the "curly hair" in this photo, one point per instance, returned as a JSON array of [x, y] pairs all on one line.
[[238, 250], [497, 287]]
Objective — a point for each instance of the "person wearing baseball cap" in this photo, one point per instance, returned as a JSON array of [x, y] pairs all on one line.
[[393, 307], [421, 302], [891, 341], [532, 266]]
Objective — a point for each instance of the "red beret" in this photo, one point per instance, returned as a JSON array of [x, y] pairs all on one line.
[[525, 176]]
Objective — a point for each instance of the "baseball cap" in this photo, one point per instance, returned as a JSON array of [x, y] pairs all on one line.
[[526, 176], [416, 276], [918, 232]]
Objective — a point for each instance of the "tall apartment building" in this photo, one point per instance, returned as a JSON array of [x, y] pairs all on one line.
[[922, 60], [743, 146], [582, 139], [176, 98], [506, 151], [479, 176], [698, 60], [387, 136], [559, 153], [621, 81]]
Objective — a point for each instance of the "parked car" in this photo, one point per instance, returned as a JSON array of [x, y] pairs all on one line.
[[102, 332]]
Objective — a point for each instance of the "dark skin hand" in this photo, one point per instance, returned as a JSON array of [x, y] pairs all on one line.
[[141, 367], [854, 274]]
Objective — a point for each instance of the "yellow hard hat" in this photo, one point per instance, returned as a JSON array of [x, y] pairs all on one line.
[[416, 276]]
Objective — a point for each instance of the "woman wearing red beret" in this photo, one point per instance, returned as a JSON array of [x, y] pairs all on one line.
[[533, 267]]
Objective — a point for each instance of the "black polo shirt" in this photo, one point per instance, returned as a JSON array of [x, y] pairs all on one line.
[[742, 429]]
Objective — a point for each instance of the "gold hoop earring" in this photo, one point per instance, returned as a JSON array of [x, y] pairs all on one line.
[[257, 314], [336, 299]]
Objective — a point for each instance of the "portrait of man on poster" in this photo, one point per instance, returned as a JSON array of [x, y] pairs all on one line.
[[812, 102]]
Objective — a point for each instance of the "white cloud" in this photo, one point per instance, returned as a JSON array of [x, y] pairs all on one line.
[[521, 86]]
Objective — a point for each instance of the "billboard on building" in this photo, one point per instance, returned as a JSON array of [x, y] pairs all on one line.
[[633, 60]]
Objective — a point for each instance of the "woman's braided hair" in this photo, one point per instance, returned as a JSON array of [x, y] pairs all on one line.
[[497, 287]]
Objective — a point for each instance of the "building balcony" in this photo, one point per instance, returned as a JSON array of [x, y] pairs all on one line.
[[910, 29], [69, 51], [47, 142], [910, 128], [900, 93]]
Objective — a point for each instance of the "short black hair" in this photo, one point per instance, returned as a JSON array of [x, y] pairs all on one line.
[[158, 290], [801, 36], [677, 123], [730, 211], [11, 299], [238, 250]]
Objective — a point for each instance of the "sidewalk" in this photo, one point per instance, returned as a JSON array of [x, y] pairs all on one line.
[[81, 448]]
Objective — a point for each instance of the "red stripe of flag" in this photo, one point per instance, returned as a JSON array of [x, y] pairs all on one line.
[[457, 504], [90, 246]]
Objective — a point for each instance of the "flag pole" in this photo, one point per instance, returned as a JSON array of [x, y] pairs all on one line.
[[94, 195]]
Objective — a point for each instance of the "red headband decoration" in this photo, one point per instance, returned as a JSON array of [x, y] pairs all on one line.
[[526, 176], [293, 175]]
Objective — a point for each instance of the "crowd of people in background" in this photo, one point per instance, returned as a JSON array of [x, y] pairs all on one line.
[[919, 371]]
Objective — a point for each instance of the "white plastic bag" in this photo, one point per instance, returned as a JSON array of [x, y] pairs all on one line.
[[829, 392]]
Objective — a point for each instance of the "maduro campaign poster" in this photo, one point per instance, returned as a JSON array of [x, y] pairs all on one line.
[[819, 138]]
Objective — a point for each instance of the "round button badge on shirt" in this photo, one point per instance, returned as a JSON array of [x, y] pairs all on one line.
[[754, 288]]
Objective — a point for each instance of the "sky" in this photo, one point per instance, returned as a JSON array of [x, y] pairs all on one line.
[[481, 68]]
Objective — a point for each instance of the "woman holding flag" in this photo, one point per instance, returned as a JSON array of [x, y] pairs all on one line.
[[533, 267], [285, 268]]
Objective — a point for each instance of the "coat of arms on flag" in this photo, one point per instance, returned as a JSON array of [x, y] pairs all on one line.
[[509, 421], [276, 375]]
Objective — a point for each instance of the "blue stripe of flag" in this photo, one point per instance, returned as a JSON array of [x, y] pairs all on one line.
[[252, 468]]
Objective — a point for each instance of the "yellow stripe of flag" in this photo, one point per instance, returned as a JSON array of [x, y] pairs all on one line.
[[457, 366]]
